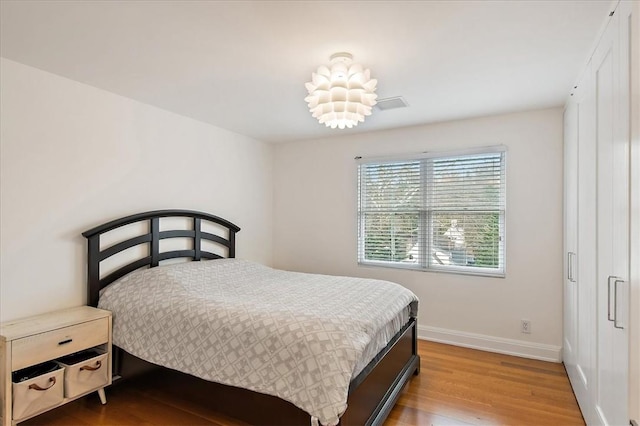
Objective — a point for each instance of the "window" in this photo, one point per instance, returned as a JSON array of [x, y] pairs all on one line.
[[443, 212]]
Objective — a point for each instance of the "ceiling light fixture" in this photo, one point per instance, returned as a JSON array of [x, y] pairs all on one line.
[[342, 94]]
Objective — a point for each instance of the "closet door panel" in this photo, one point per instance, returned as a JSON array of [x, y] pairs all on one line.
[[570, 235], [584, 381], [612, 244], [620, 173]]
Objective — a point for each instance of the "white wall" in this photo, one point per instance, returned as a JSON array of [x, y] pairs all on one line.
[[315, 227], [73, 156]]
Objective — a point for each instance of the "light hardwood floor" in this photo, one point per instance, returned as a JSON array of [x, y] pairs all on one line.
[[459, 386], [456, 386]]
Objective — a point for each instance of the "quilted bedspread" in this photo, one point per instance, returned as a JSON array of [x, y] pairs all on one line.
[[296, 336]]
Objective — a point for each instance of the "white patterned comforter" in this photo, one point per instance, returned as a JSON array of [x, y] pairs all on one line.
[[300, 337]]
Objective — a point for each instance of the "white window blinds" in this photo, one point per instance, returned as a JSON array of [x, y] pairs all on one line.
[[438, 212]]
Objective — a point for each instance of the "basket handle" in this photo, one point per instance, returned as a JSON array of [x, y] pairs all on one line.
[[90, 368], [38, 388]]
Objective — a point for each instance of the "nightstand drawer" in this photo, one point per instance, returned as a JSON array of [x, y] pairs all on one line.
[[56, 343]]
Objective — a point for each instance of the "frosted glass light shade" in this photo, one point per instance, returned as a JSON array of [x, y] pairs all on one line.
[[342, 94]]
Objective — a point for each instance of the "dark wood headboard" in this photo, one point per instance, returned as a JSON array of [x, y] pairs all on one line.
[[152, 238]]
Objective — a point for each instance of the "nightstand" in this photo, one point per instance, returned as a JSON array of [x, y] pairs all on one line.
[[32, 341]]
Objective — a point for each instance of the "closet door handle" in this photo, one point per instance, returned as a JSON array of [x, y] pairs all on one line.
[[570, 257], [609, 297], [615, 303]]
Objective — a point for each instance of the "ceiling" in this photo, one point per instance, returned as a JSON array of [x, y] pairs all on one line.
[[242, 65]]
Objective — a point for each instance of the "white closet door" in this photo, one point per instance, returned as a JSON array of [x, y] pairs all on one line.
[[579, 281], [612, 232], [583, 375], [570, 345]]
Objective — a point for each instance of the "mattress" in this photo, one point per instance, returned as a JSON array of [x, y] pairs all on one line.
[[300, 337]]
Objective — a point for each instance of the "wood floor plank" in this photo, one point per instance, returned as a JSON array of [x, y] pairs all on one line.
[[456, 386]]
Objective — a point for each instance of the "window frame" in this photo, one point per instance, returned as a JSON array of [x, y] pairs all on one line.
[[427, 212]]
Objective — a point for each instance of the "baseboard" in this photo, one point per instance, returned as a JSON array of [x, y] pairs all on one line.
[[491, 344]]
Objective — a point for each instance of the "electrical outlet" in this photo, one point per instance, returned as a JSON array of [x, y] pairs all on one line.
[[525, 326]]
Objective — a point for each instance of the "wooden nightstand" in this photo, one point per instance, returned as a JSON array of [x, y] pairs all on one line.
[[34, 340]]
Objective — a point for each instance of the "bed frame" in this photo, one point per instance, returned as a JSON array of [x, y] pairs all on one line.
[[372, 394]]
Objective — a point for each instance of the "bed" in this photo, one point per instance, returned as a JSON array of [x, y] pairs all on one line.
[[297, 348]]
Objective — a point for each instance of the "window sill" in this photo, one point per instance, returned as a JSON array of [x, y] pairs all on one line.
[[461, 270]]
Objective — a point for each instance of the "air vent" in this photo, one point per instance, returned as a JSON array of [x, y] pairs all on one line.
[[391, 103]]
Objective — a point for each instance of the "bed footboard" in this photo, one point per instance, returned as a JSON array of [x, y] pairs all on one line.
[[372, 397]]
